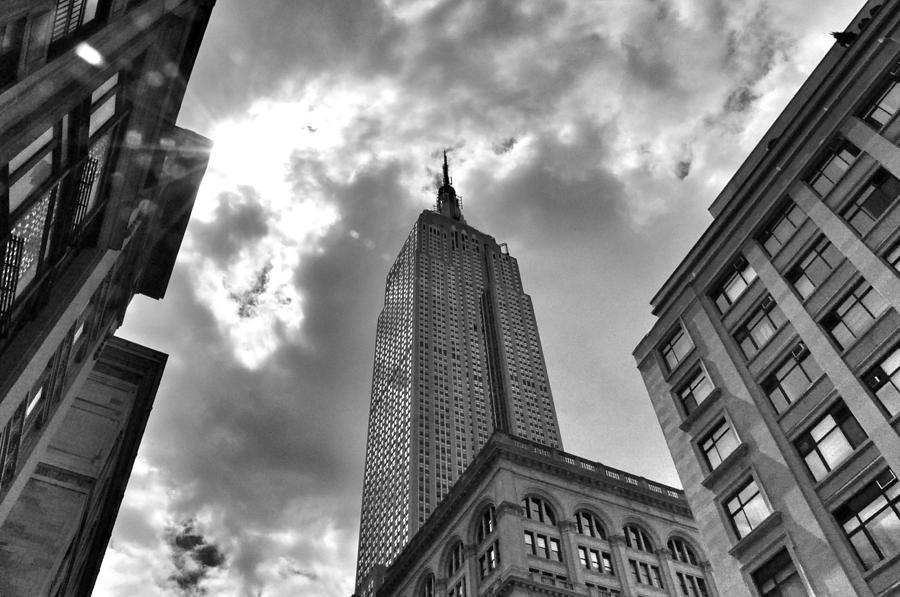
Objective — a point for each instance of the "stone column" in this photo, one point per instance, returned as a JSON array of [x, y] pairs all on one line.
[[473, 572], [509, 532], [708, 577], [668, 573], [568, 538], [868, 139], [620, 561]]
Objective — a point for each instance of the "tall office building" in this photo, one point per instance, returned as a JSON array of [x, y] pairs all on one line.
[[96, 188], [774, 365], [457, 356]]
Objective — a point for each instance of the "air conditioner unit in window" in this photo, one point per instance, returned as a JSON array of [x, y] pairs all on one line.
[[798, 351]]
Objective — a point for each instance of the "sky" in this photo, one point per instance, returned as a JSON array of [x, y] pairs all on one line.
[[589, 135]]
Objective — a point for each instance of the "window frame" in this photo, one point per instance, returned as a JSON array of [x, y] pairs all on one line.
[[857, 203], [806, 443], [669, 346], [761, 313], [731, 514], [884, 487], [685, 391], [891, 84], [835, 319], [833, 154], [722, 421], [814, 255], [877, 377], [788, 212], [642, 540], [800, 356], [738, 270]]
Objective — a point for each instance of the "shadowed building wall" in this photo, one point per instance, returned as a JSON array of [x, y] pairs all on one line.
[[96, 186]]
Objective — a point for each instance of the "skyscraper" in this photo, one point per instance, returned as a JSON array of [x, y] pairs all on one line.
[[457, 356], [774, 365]]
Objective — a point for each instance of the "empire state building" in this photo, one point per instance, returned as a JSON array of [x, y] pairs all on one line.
[[457, 356]]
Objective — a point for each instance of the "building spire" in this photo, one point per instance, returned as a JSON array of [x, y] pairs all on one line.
[[447, 201]]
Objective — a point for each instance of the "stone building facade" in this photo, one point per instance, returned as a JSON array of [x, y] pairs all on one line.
[[774, 364], [525, 519]]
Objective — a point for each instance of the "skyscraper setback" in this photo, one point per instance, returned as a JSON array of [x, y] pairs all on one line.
[[457, 356]]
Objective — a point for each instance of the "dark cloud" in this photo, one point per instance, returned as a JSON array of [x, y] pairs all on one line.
[[504, 145], [193, 558], [248, 301], [740, 99], [238, 220], [682, 169]]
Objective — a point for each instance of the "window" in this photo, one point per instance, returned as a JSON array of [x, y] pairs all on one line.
[[72, 15], [871, 520], [854, 314], [489, 560], [458, 589], [676, 347], [543, 546], [718, 444], [814, 267], [733, 285], [884, 381], [792, 378], [12, 36], [778, 578], [456, 559], [885, 108], [595, 559], [637, 538], [832, 167], [780, 230], [588, 524], [746, 508], [427, 587], [646, 574], [35, 400], [691, 586], [830, 440], [538, 509], [872, 201], [681, 551], [695, 390], [485, 524], [765, 320], [893, 257]]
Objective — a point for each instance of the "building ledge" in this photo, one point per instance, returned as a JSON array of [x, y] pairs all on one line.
[[727, 465], [762, 531]]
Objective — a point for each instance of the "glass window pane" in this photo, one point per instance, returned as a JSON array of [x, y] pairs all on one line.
[[30, 181], [835, 448], [104, 88], [102, 114], [32, 150]]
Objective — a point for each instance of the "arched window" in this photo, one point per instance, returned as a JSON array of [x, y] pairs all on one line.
[[538, 509], [637, 538], [427, 586], [681, 551], [590, 525], [456, 559], [485, 524]]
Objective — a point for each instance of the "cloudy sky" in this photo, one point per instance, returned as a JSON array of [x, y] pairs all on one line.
[[590, 136]]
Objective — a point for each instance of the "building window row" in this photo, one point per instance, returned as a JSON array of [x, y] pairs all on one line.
[[646, 574], [543, 546], [595, 559]]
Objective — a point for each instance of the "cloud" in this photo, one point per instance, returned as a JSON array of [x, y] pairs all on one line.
[[193, 557], [590, 139]]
